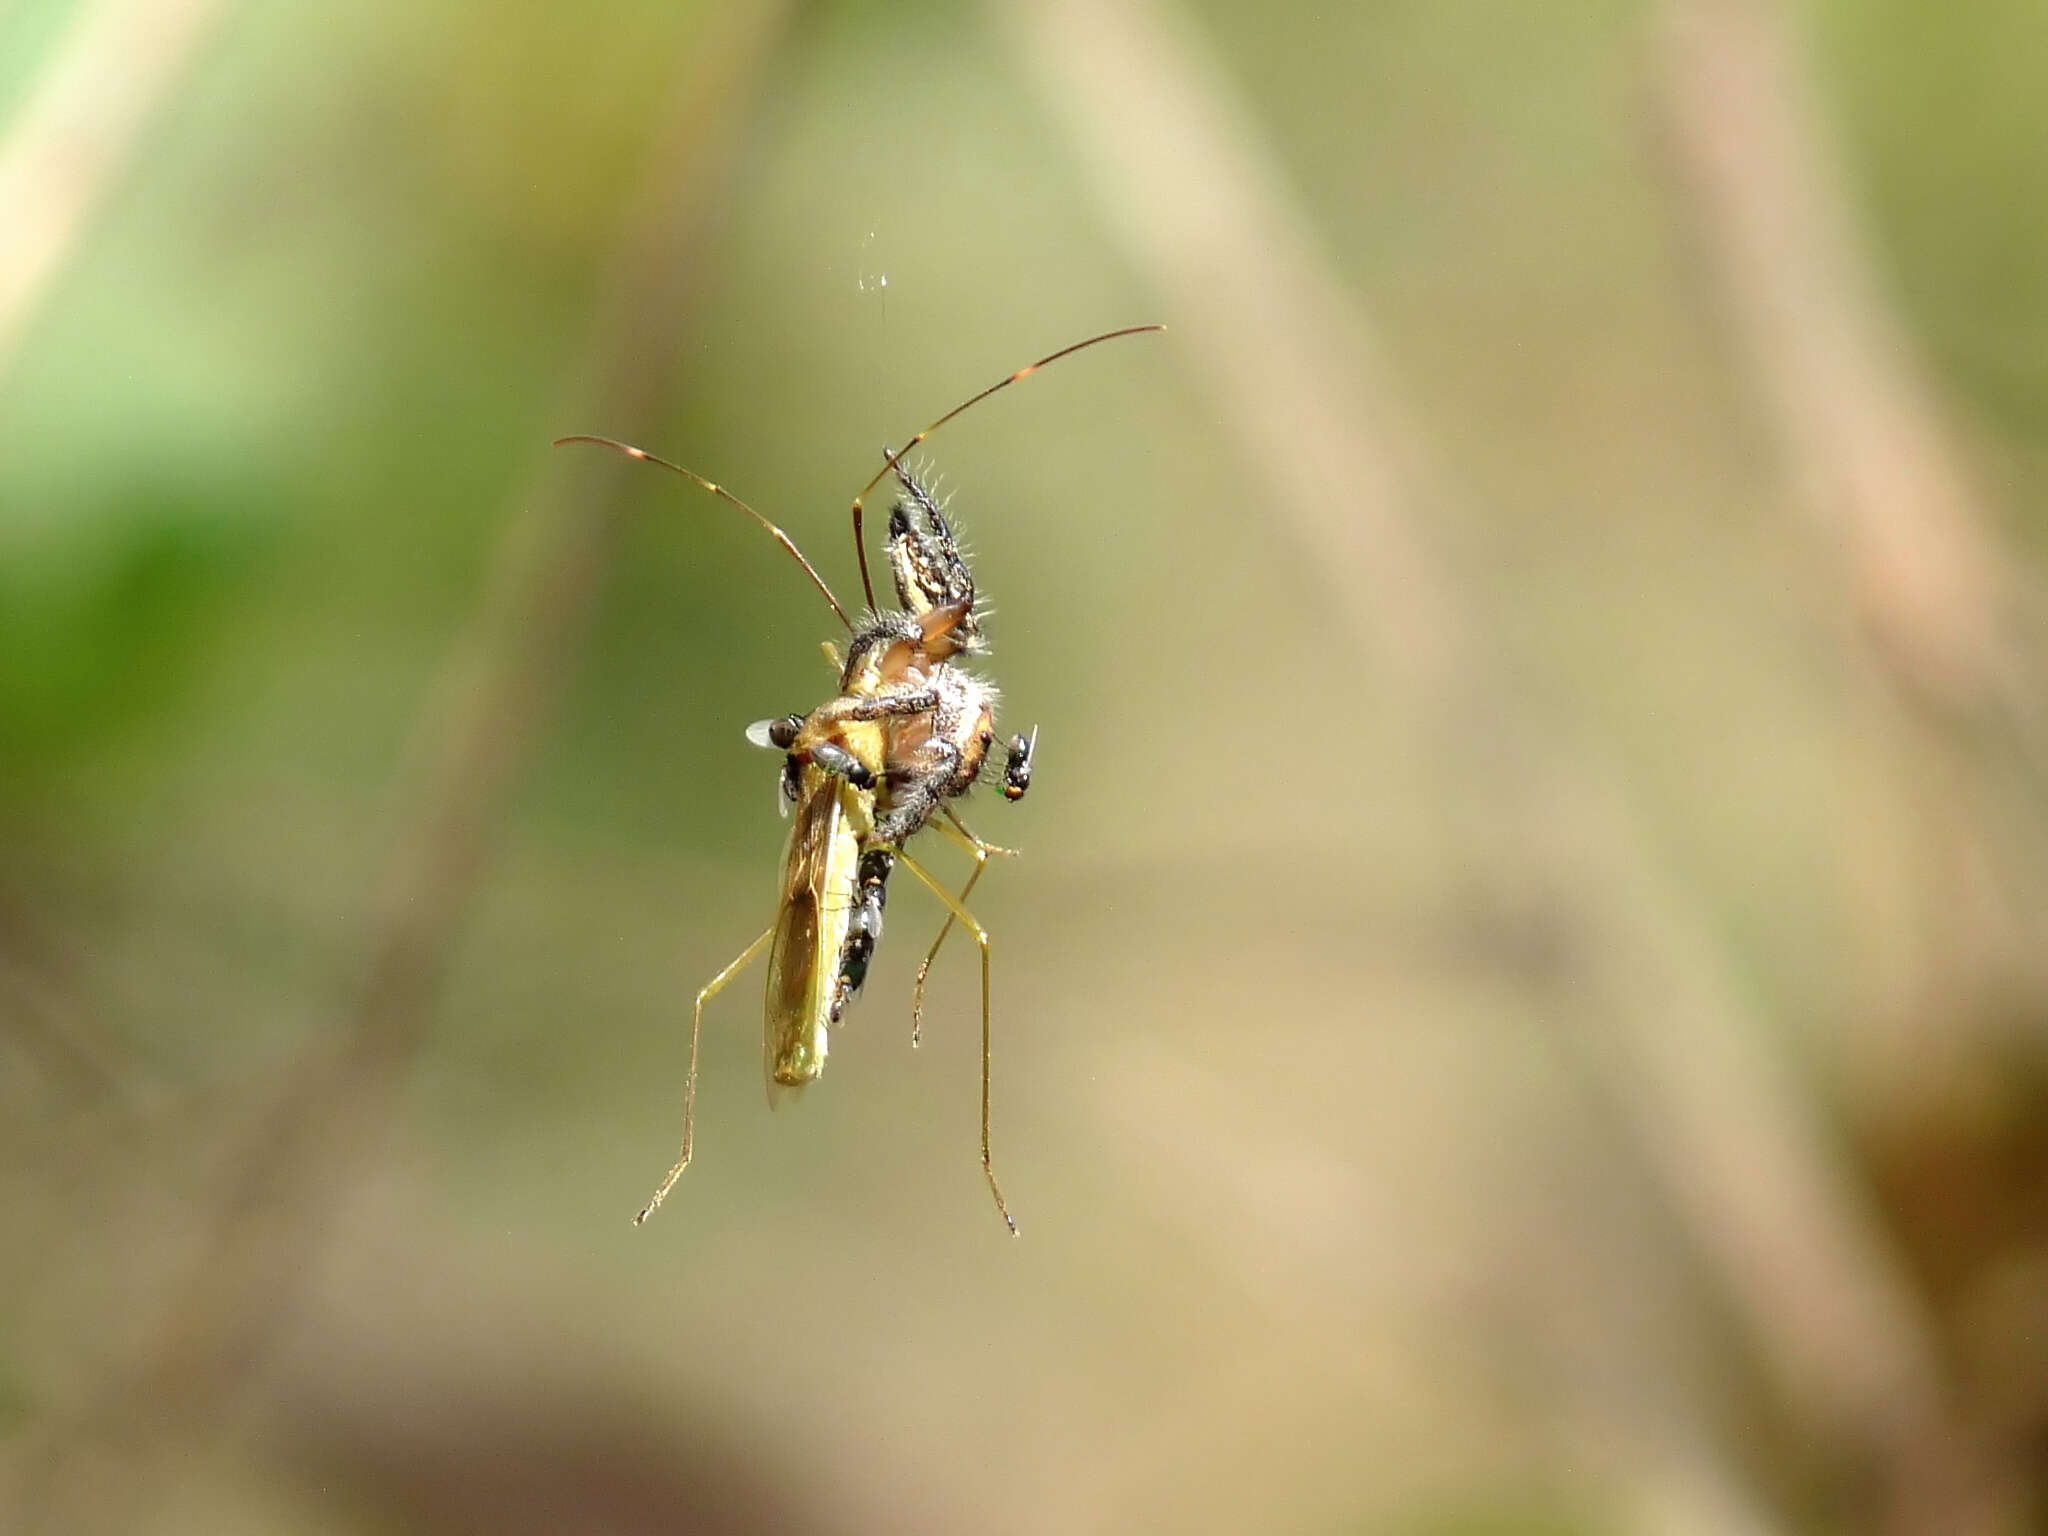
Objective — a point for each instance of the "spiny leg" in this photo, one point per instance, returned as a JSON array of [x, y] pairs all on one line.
[[711, 989], [980, 852], [966, 920]]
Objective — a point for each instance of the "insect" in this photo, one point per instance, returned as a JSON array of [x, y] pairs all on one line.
[[909, 730]]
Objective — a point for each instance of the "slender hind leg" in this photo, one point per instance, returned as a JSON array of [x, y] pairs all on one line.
[[711, 989], [980, 852], [966, 920]]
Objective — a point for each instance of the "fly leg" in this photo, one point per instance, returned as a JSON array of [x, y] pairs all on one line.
[[711, 989], [981, 853], [966, 920]]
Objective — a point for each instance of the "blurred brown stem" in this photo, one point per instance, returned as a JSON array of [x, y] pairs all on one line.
[[473, 736], [1875, 465], [1651, 1008], [1880, 474]]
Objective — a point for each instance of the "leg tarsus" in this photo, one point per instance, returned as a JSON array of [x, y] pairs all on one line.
[[970, 839]]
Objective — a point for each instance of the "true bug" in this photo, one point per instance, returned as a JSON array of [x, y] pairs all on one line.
[[908, 730]]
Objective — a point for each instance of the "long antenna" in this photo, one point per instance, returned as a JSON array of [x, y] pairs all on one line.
[[860, 543], [723, 494]]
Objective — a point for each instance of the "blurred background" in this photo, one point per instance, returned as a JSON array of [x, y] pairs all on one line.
[[1523, 1008]]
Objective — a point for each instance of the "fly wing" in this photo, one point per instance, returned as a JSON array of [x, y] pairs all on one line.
[[819, 874]]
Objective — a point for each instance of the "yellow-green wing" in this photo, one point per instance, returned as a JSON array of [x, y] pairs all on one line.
[[819, 874]]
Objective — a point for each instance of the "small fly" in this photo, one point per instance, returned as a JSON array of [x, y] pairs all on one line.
[[909, 730]]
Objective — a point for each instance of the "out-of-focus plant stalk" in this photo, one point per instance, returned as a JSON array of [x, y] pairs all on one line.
[[1275, 337], [473, 736], [1880, 474], [1875, 464]]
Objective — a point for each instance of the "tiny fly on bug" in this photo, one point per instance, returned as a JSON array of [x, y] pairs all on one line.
[[909, 730]]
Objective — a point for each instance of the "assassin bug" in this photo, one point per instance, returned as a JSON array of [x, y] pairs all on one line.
[[909, 730]]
